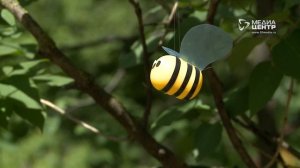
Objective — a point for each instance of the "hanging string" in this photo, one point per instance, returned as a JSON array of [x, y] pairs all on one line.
[[174, 27], [178, 27], [175, 18]]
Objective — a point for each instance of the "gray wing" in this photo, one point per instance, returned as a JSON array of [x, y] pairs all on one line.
[[204, 44]]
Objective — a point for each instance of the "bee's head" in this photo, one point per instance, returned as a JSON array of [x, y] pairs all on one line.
[[162, 70]]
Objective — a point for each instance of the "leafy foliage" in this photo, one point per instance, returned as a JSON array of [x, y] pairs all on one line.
[[264, 80], [286, 54], [208, 138]]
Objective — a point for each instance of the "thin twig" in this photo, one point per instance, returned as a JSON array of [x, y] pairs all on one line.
[[284, 122], [78, 121], [167, 23], [146, 55], [216, 87], [173, 12]]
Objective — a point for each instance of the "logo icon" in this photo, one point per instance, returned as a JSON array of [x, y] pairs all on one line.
[[243, 24]]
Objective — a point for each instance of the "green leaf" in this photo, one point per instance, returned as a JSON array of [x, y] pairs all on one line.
[[207, 138], [8, 31], [22, 83], [241, 50], [134, 57], [171, 115], [28, 68], [8, 17], [34, 116], [286, 55], [240, 95], [204, 44], [264, 81], [54, 80], [13, 92], [168, 117], [6, 50]]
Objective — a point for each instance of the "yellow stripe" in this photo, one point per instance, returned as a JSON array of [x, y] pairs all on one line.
[[180, 78]]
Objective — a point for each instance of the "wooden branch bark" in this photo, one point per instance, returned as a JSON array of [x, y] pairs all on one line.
[[48, 49], [146, 56], [216, 88]]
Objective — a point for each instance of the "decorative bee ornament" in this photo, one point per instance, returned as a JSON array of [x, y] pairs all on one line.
[[179, 74]]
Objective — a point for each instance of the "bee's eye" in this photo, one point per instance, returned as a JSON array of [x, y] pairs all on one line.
[[158, 63], [153, 65]]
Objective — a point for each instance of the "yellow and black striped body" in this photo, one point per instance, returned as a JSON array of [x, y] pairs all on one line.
[[175, 76]]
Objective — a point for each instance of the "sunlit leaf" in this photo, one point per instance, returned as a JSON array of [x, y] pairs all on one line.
[[5, 50], [54, 80], [13, 92], [8, 17], [22, 83], [28, 68], [289, 158], [8, 31]]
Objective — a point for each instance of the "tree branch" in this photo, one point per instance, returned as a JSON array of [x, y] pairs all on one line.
[[48, 49], [146, 55], [216, 88], [79, 122], [168, 22], [265, 136]]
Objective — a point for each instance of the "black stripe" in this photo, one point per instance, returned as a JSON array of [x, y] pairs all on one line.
[[190, 94], [185, 81], [173, 77]]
